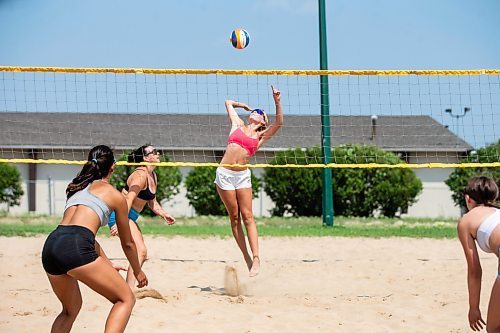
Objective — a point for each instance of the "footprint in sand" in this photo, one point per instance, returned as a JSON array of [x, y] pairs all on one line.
[[45, 311], [23, 313]]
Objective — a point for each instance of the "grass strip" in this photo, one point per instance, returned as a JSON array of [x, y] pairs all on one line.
[[380, 230]]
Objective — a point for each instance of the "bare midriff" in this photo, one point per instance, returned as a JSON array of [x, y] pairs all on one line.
[[235, 154]]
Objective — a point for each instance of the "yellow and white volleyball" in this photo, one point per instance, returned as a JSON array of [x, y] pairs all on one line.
[[240, 38]]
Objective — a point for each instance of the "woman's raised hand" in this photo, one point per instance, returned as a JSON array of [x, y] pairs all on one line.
[[276, 94]]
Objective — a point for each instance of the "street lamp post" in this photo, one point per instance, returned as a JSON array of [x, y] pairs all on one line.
[[457, 117], [450, 111]]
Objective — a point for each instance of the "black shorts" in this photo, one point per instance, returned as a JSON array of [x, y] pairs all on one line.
[[68, 247]]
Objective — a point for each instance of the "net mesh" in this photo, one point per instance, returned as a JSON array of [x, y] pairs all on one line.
[[428, 118]]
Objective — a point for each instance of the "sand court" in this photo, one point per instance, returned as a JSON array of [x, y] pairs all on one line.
[[305, 284]]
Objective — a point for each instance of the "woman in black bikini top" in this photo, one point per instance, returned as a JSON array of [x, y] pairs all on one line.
[[138, 193]]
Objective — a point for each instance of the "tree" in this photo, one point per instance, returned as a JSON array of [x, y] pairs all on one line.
[[169, 179], [202, 193], [458, 179], [356, 191], [295, 191], [364, 192], [10, 185]]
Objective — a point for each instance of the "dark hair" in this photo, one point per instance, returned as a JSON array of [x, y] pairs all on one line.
[[137, 156], [99, 162], [483, 190]]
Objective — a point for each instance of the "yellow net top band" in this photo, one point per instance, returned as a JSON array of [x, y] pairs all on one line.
[[264, 165], [249, 72]]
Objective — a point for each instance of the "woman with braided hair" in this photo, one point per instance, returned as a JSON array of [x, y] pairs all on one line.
[[71, 253]]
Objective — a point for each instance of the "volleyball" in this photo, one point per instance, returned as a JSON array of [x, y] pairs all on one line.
[[240, 38]]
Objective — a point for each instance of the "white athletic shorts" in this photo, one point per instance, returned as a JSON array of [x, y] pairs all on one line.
[[232, 180]]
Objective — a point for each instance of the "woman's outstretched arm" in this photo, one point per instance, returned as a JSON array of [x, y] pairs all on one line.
[[267, 134], [158, 210]]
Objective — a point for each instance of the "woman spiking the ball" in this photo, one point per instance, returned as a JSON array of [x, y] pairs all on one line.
[[233, 183]]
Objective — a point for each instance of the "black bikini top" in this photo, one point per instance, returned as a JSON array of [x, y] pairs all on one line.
[[145, 194]]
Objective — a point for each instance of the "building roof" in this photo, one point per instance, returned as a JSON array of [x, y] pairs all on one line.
[[40, 130]]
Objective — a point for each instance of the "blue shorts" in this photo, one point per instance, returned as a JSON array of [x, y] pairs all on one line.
[[132, 214]]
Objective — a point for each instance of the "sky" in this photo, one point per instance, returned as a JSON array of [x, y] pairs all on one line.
[[362, 34], [194, 34]]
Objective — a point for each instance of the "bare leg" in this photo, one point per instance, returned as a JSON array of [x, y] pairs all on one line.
[[105, 280], [231, 203], [68, 292], [142, 252], [244, 197], [493, 319]]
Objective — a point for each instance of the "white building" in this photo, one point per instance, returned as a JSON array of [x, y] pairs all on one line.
[[202, 138]]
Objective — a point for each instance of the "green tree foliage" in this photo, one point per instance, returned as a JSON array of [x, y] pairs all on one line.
[[363, 192], [357, 192], [10, 185], [169, 179], [458, 179], [202, 193], [295, 191]]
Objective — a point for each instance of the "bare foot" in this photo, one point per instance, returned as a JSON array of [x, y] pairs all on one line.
[[254, 271]]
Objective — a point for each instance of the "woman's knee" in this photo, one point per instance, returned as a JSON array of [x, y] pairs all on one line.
[[131, 299], [247, 218], [127, 298], [73, 310], [234, 218]]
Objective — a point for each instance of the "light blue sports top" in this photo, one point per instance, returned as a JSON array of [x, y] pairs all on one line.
[[85, 198], [485, 229]]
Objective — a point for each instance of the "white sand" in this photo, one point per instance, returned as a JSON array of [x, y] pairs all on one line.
[[305, 285]]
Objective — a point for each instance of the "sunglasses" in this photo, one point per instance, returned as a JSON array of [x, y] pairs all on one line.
[[262, 113], [154, 151], [259, 111]]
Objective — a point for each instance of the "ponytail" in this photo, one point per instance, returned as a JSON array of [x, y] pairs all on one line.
[[137, 156], [99, 163]]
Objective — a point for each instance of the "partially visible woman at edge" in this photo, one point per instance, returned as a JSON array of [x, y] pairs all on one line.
[[71, 253], [139, 191], [481, 224], [233, 183]]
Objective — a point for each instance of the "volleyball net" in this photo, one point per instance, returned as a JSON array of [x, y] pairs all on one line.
[[427, 118]]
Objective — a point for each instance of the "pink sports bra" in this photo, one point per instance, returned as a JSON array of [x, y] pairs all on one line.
[[240, 138]]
